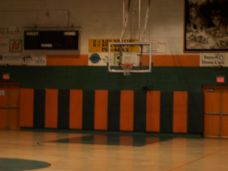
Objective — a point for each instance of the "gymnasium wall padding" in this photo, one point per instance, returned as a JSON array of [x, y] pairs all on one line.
[[180, 107], [63, 109], [101, 110], [166, 114], [51, 108], [140, 111], [114, 111], [75, 113], [107, 110], [88, 110], [81, 82], [126, 110], [153, 111], [26, 107], [39, 108]]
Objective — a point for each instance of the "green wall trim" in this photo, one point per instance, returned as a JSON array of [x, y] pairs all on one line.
[[161, 78]]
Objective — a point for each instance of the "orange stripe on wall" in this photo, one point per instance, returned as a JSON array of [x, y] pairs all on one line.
[[26, 107], [180, 107], [176, 60], [153, 111], [126, 110], [76, 109], [158, 60], [51, 108], [67, 60], [100, 110]]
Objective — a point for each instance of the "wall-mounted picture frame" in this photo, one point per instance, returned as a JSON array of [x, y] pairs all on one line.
[[206, 25]]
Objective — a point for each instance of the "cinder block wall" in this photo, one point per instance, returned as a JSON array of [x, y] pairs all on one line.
[[98, 19], [69, 94]]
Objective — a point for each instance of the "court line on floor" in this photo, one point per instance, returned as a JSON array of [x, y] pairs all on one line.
[[193, 161]]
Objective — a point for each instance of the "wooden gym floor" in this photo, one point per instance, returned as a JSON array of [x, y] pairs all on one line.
[[73, 151]]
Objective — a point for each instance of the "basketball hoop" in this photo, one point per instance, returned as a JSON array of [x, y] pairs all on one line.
[[127, 69], [129, 57]]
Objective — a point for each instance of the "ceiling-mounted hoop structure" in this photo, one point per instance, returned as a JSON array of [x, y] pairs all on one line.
[[126, 15], [127, 68], [126, 11]]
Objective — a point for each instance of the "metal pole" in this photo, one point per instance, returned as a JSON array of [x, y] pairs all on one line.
[[123, 12], [139, 20], [125, 17]]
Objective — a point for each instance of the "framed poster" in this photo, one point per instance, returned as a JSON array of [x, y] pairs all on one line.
[[206, 25]]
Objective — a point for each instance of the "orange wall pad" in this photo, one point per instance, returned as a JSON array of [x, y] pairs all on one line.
[[180, 109], [153, 111], [211, 125], [51, 108], [224, 106], [224, 126], [13, 119], [126, 110], [101, 110], [26, 107], [211, 102], [76, 109]]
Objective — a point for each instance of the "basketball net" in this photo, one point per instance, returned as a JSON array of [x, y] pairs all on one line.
[[127, 69]]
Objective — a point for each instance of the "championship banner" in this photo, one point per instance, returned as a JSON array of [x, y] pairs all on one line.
[[29, 60], [213, 60], [101, 45], [98, 50], [11, 40], [4, 45]]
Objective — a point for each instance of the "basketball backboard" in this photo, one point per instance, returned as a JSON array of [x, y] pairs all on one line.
[[129, 57]]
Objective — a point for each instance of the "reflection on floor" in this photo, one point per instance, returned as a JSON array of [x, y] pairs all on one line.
[[87, 151], [115, 139], [21, 164]]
